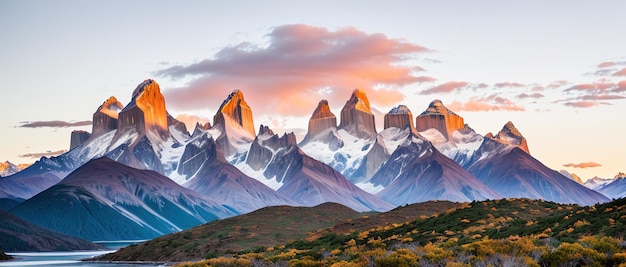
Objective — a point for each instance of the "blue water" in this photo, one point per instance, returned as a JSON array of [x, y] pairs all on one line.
[[70, 258]]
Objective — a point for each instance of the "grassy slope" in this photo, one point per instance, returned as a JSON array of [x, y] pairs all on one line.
[[318, 230], [265, 227]]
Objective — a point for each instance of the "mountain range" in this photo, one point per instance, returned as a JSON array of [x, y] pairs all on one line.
[[141, 174]]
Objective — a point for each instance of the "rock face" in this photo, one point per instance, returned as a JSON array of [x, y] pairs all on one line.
[[511, 136], [357, 117], [77, 138], [236, 108], [321, 120], [146, 111], [294, 174], [105, 117], [439, 117], [399, 117], [234, 120], [210, 174]]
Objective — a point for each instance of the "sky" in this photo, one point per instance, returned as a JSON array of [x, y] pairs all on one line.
[[556, 69]]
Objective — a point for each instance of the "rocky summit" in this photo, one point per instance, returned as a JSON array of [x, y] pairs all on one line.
[[399, 117], [237, 109], [146, 111], [78, 137], [512, 136], [321, 120], [105, 117], [439, 117], [357, 117]]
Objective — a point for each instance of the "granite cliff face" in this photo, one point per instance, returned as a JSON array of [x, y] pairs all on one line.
[[234, 120], [321, 120], [399, 117], [146, 112], [105, 117], [357, 117], [236, 108], [77, 138], [439, 117]]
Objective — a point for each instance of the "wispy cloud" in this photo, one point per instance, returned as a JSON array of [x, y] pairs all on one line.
[[509, 84], [445, 88], [583, 165], [489, 103], [299, 65], [54, 124], [533, 95], [43, 154]]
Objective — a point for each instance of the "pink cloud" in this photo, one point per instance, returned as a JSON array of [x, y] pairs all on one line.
[[606, 64], [444, 88], [525, 95], [509, 84], [583, 165], [621, 72], [582, 104], [490, 103], [300, 65], [621, 87], [556, 84]]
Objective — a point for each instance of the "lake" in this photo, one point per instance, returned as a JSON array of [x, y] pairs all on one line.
[[71, 258]]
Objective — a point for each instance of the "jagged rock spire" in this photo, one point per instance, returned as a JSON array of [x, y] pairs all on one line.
[[237, 109], [357, 117], [439, 117], [321, 120], [146, 112]]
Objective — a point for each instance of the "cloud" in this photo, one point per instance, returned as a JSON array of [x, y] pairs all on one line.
[[509, 84], [583, 165], [606, 64], [489, 103], [425, 79], [534, 95], [191, 120], [298, 66], [581, 104], [54, 124], [444, 88], [621, 72], [43, 154]]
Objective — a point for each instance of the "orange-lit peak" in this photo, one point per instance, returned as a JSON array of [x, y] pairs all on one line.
[[359, 101], [111, 107], [322, 111]]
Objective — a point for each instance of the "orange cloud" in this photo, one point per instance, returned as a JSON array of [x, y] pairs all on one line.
[[583, 165], [444, 88], [300, 65], [489, 103]]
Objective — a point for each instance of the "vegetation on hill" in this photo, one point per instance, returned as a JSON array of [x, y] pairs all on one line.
[[507, 232]]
